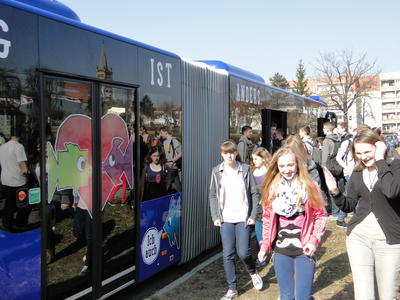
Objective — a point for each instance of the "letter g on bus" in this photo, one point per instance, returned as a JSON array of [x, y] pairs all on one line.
[[4, 44]]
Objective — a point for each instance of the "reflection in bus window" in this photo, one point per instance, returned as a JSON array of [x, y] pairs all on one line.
[[69, 203], [117, 156], [19, 125]]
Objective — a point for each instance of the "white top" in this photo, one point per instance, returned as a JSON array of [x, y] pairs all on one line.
[[348, 160], [11, 153], [235, 205], [370, 228]]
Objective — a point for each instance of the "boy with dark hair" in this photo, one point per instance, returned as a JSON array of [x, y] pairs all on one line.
[[330, 148], [245, 144]]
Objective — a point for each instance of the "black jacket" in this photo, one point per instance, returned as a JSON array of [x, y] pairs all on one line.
[[383, 200]]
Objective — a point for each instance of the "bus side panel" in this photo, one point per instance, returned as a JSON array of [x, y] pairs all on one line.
[[20, 265]]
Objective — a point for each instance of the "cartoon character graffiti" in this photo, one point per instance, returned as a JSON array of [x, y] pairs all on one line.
[[70, 160], [172, 224], [71, 166]]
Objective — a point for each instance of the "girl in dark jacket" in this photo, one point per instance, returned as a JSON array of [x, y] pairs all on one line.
[[373, 233]]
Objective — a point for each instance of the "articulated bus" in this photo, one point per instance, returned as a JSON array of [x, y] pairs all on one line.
[[86, 104]]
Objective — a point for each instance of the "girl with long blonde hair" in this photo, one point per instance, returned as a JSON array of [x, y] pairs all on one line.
[[294, 221]]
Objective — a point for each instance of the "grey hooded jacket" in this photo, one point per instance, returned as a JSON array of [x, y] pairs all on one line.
[[253, 196], [244, 145]]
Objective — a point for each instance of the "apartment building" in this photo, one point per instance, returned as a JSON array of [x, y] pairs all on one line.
[[390, 95]]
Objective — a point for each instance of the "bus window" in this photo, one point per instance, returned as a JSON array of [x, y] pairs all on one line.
[[69, 203], [117, 156], [19, 127]]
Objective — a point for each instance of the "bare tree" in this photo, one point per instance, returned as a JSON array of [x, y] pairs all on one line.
[[348, 78]]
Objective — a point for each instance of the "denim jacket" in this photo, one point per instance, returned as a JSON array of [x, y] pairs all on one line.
[[253, 196]]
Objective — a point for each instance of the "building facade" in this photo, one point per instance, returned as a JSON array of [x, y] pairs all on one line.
[[366, 110], [390, 95]]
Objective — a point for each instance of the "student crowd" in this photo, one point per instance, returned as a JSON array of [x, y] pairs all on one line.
[[287, 197]]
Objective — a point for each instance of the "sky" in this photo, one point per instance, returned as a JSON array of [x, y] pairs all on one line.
[[260, 36]]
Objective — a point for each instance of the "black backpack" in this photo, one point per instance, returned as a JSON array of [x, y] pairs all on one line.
[[331, 163]]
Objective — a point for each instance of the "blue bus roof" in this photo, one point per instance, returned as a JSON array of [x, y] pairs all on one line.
[[57, 11], [243, 74], [234, 71]]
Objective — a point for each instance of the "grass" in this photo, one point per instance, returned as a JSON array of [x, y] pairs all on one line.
[[118, 245]]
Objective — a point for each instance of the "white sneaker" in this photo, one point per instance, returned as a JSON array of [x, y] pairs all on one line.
[[257, 281], [85, 271]]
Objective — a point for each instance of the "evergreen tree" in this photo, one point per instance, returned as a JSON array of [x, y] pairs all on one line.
[[300, 85], [279, 81], [146, 106]]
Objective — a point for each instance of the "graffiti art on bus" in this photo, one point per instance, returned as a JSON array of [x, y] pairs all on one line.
[[172, 222], [117, 162], [70, 160], [160, 234]]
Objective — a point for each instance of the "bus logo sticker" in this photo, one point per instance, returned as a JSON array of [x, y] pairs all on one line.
[[151, 245], [5, 44]]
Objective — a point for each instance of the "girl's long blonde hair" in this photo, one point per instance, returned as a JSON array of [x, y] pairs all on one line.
[[264, 154], [273, 177]]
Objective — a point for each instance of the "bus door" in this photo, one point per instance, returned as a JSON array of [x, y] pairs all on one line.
[[118, 185], [68, 202], [270, 121], [89, 219]]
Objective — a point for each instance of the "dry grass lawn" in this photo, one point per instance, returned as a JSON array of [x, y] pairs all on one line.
[[332, 280]]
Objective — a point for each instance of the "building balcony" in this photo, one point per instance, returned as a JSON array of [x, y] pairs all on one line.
[[389, 88]]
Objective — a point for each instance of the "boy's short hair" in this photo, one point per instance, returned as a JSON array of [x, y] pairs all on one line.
[[246, 128]]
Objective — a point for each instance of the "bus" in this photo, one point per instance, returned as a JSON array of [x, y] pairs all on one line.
[[93, 110]]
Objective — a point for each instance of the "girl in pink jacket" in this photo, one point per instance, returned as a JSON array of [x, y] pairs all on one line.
[[294, 221]]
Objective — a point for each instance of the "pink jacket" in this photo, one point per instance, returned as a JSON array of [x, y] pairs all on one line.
[[312, 231]]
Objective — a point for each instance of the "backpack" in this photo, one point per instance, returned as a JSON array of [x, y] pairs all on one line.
[[331, 163], [315, 153], [178, 162], [349, 138]]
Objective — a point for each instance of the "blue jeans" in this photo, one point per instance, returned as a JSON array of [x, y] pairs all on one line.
[[341, 215], [236, 239], [295, 276], [370, 260]]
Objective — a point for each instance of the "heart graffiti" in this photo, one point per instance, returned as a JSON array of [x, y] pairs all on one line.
[[69, 162]]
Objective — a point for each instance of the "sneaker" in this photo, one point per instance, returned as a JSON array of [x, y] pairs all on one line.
[[230, 295], [341, 224], [260, 264], [257, 281], [84, 272]]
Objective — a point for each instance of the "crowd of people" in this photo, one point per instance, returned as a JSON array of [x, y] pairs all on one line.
[[162, 163], [287, 199]]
